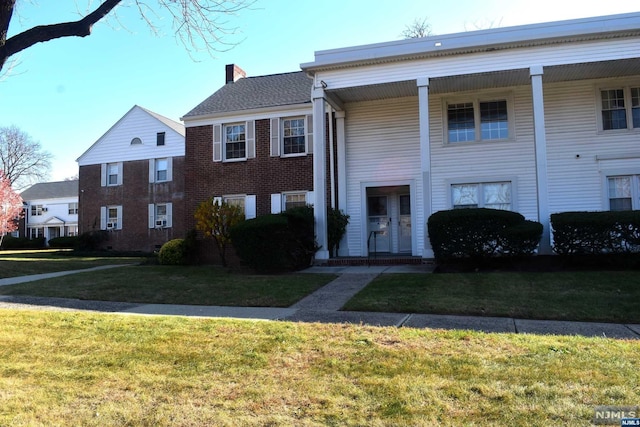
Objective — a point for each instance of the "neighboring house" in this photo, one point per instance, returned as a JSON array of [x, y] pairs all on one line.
[[51, 210], [132, 182], [251, 144], [536, 119]]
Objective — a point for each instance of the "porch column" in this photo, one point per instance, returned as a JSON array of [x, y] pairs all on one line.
[[342, 174], [540, 138], [320, 172], [425, 164]]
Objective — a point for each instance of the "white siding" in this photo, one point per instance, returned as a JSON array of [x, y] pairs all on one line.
[[115, 145], [499, 60], [513, 159], [382, 147], [55, 208], [576, 176]]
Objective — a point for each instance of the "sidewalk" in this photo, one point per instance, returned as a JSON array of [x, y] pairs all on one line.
[[323, 306]]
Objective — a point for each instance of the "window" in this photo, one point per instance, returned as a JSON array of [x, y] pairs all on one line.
[[478, 120], [493, 195], [36, 210], [72, 230], [235, 201], [293, 136], [246, 202], [235, 141], [73, 208], [112, 174], [620, 108], [161, 170], [136, 141], [293, 200], [160, 215], [112, 217], [623, 192], [160, 139], [36, 232]]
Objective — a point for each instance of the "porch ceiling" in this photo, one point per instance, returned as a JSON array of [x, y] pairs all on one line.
[[491, 80]]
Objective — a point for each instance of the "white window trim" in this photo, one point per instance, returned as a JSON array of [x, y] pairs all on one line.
[[104, 217], [153, 171], [154, 217], [635, 186], [219, 141], [476, 99], [276, 124], [484, 180], [281, 139], [626, 86], [104, 174]]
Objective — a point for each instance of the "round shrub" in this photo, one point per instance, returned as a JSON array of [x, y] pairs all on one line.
[[173, 253]]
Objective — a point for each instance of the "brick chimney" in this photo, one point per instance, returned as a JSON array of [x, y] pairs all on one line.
[[233, 73]]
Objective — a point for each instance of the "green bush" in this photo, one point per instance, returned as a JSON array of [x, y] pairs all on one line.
[[577, 233], [276, 242], [173, 253], [64, 242], [10, 242], [481, 233], [337, 222]]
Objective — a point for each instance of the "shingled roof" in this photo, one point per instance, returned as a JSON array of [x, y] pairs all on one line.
[[51, 190], [257, 92]]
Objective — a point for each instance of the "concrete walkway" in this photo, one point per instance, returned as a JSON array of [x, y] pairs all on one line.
[[324, 305]]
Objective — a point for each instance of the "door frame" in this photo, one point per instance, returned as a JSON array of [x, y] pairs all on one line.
[[411, 183]]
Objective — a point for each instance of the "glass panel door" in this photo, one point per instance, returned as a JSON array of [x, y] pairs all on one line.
[[404, 233], [378, 225]]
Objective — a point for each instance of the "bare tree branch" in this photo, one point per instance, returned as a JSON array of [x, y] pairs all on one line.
[[22, 159], [417, 29]]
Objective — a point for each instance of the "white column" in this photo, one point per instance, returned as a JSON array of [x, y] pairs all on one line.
[[540, 138], [342, 174], [425, 166], [320, 172]]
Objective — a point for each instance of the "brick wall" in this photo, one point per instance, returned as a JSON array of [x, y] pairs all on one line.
[[134, 195]]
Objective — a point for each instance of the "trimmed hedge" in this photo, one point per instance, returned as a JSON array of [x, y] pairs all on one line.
[[10, 242], [173, 253], [276, 242], [481, 233], [64, 242], [577, 233]]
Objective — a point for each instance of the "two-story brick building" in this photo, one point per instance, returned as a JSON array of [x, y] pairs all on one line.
[[131, 182]]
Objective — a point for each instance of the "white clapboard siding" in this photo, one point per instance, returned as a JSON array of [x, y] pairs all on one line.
[[115, 144], [382, 146], [499, 60], [574, 144]]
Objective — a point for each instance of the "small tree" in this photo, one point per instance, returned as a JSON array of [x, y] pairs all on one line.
[[10, 207], [216, 219], [419, 28]]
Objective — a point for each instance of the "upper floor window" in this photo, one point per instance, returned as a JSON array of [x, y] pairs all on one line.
[[620, 108], [235, 140], [136, 141], [161, 170], [624, 192], [73, 208], [293, 136], [493, 195], [36, 210], [160, 138], [112, 173], [478, 120]]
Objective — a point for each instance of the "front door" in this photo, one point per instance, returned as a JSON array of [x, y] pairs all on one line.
[[404, 223], [379, 238]]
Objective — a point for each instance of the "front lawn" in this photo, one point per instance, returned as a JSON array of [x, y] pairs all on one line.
[[159, 284], [110, 370], [28, 262], [607, 296]]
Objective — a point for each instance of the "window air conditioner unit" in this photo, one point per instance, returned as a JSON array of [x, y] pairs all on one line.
[[111, 225], [160, 223], [45, 209]]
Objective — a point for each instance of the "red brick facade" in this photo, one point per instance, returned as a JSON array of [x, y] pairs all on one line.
[[260, 176], [134, 195]]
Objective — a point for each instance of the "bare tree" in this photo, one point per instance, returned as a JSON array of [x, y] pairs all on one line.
[[22, 160], [197, 24], [419, 28]]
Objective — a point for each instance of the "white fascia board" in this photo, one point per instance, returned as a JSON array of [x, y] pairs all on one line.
[[472, 41], [255, 114]]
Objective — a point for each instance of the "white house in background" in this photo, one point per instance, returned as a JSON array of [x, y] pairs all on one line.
[[51, 210], [537, 119]]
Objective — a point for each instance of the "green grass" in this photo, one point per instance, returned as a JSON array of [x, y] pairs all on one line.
[[201, 285], [27, 262], [608, 296], [111, 370]]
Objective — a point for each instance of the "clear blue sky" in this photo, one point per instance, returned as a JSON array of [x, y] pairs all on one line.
[[66, 93]]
